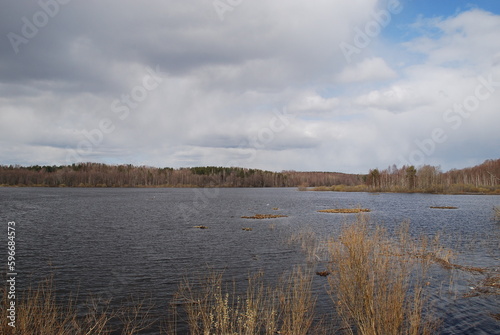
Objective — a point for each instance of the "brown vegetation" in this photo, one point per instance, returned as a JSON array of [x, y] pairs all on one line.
[[264, 216], [496, 211], [489, 286], [376, 283], [213, 308], [38, 312], [344, 210]]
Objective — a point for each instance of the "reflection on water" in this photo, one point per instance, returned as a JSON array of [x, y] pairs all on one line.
[[116, 242]]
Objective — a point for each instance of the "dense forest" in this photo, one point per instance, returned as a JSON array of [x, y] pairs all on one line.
[[102, 175], [483, 178]]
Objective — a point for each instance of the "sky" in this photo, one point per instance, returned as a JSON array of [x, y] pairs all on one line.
[[329, 85]]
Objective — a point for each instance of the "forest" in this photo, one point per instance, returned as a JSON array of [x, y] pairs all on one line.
[[483, 178]]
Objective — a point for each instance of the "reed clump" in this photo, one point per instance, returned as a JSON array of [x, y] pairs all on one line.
[[376, 282], [345, 210], [213, 308], [264, 216]]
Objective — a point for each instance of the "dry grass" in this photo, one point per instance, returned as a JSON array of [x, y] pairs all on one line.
[[264, 216], [496, 211], [375, 282], [488, 286], [345, 210], [39, 312], [212, 308]]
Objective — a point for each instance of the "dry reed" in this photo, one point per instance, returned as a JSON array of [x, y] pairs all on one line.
[[212, 308], [38, 311], [376, 284], [264, 216], [344, 210]]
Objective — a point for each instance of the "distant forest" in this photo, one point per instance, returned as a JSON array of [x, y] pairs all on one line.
[[484, 178]]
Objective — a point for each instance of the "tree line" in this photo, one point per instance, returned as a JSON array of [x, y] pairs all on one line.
[[483, 178], [103, 175]]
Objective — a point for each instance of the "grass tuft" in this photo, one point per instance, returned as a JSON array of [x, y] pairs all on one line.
[[264, 216], [345, 210], [375, 283]]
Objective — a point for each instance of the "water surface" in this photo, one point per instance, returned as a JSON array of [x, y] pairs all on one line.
[[116, 242]]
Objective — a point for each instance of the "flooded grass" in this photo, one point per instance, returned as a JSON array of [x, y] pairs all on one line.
[[264, 216], [345, 210]]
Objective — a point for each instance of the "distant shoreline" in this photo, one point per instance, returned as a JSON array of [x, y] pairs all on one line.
[[480, 179]]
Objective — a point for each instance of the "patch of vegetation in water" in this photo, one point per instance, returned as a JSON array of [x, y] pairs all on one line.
[[264, 216], [345, 210]]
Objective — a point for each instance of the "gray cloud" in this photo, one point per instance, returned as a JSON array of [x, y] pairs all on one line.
[[220, 84]]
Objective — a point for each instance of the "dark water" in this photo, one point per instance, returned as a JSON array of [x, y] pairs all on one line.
[[117, 242]]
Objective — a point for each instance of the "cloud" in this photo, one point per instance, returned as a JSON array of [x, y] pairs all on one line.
[[370, 69], [222, 82]]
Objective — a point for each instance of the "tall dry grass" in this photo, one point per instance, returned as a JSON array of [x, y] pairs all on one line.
[[214, 308], [377, 282], [38, 311]]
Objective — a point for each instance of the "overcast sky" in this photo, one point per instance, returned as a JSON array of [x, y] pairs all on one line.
[[326, 85]]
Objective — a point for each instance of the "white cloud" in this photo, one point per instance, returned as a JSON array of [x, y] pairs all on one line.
[[312, 102], [370, 69]]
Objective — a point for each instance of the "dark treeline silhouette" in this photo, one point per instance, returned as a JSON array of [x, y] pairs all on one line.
[[103, 175], [483, 178]]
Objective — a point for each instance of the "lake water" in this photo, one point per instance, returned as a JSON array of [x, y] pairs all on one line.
[[117, 242]]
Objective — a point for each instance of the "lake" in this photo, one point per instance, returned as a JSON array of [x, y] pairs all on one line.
[[115, 242]]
